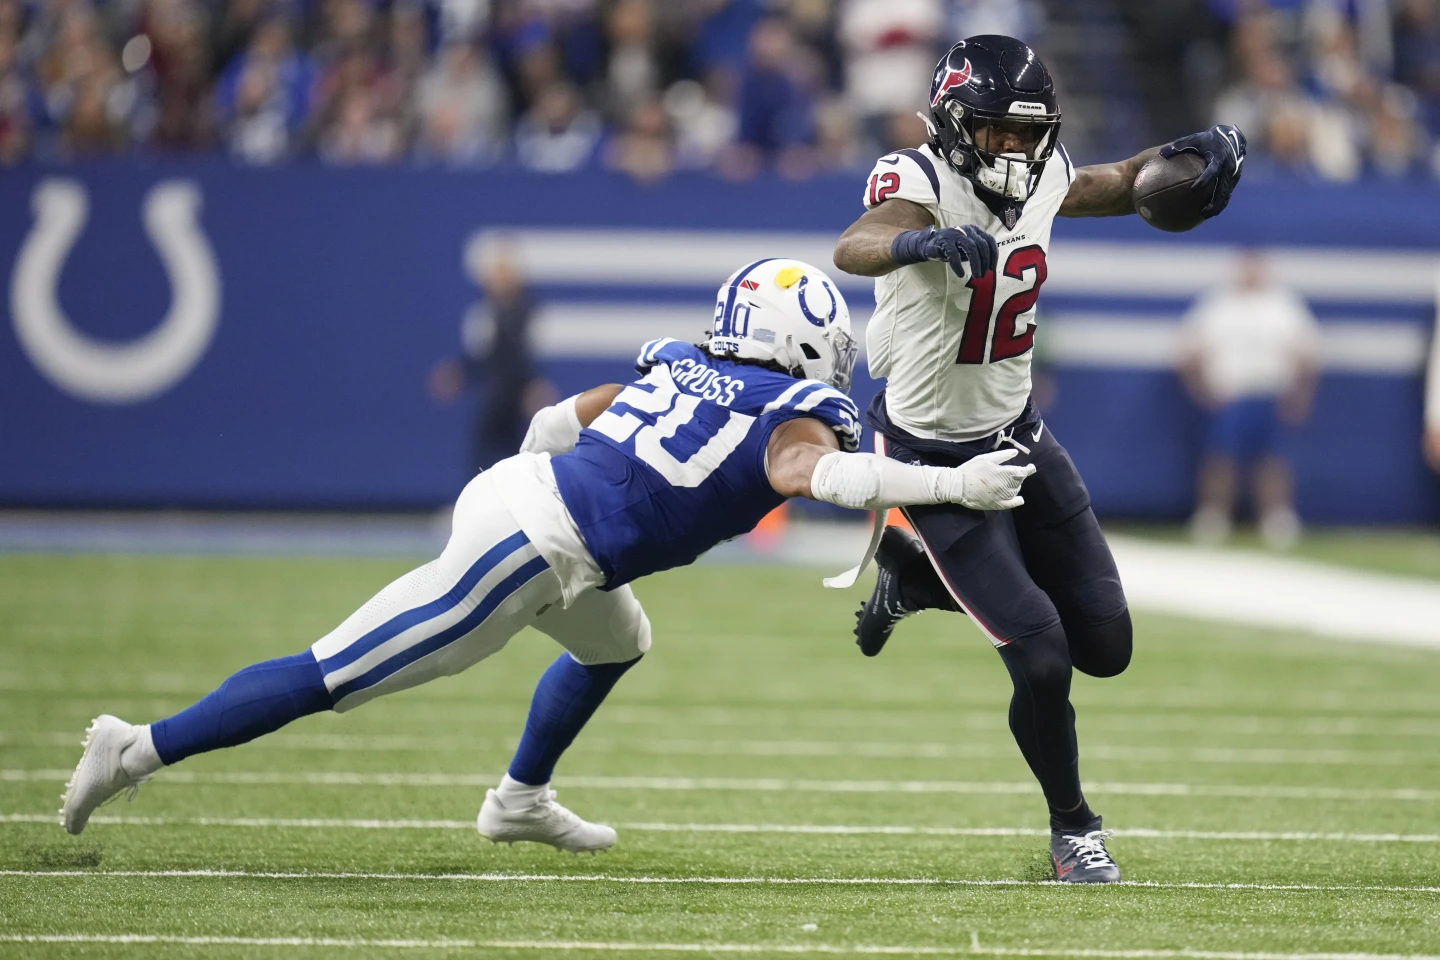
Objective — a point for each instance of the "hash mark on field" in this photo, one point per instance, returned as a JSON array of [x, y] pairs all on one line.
[[765, 785], [973, 949], [701, 881], [310, 823], [882, 750]]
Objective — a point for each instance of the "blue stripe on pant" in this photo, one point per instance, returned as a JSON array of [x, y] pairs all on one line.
[[401, 622], [432, 643]]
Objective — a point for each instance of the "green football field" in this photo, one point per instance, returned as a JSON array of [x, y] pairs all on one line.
[[776, 793]]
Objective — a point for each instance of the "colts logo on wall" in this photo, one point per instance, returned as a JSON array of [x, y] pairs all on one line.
[[149, 365]]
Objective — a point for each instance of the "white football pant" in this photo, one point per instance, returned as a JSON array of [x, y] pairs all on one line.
[[488, 584]]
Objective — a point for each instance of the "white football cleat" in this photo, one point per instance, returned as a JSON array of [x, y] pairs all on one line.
[[99, 776], [544, 822]]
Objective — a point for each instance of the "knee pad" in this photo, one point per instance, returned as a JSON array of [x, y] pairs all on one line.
[[629, 631], [600, 627], [1102, 649], [1041, 660]]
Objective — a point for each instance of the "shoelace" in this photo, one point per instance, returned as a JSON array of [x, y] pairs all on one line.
[[1090, 848], [550, 800], [129, 791], [1004, 437]]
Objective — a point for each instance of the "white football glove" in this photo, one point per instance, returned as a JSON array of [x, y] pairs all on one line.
[[987, 483]]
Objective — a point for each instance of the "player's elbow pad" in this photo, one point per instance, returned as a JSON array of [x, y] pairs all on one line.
[[555, 429], [868, 481]]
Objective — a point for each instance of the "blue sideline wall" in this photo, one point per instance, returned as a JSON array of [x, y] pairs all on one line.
[[337, 290]]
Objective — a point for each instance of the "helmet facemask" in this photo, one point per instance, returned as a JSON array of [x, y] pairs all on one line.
[[1001, 153], [846, 350]]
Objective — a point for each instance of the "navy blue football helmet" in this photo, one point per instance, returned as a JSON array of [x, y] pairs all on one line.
[[993, 115]]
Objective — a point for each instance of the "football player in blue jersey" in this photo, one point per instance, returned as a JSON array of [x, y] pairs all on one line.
[[610, 485]]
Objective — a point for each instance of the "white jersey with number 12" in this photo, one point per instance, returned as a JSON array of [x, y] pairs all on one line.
[[955, 350]]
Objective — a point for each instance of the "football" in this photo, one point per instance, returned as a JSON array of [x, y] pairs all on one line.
[[1163, 196]]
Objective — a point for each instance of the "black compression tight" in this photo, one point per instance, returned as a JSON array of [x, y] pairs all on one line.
[[1041, 717]]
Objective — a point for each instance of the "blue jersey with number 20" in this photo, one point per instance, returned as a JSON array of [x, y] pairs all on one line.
[[677, 463]]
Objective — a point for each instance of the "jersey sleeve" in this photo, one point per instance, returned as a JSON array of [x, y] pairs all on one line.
[[811, 398], [1064, 156], [904, 175], [664, 350]]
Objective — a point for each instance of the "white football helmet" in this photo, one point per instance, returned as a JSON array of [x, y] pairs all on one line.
[[787, 312]]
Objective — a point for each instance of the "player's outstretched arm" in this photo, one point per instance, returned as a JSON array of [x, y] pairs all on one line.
[[1104, 190], [556, 429], [900, 232], [804, 460]]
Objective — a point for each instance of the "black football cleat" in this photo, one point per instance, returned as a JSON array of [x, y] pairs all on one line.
[[877, 618], [1080, 856]]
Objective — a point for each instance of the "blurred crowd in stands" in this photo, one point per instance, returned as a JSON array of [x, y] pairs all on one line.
[[1333, 89]]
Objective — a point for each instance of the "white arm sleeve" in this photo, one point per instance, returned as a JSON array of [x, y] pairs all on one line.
[[869, 481], [554, 429]]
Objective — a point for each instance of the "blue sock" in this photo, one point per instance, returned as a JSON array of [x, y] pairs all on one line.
[[565, 698], [257, 700]]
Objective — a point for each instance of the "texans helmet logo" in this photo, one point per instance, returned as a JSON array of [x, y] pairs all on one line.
[[953, 78]]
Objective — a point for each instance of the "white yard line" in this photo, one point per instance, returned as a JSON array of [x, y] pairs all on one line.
[[882, 750], [767, 785], [813, 829], [601, 946], [698, 881]]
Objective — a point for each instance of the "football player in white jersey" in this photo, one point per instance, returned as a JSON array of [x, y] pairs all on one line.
[[956, 234]]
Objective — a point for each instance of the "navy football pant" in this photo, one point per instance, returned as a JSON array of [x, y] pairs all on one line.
[[1039, 581]]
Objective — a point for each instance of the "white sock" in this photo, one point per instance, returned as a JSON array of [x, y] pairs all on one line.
[[139, 759], [516, 795]]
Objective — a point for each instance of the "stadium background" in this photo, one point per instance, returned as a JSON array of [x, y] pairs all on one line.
[[238, 239], [330, 266]]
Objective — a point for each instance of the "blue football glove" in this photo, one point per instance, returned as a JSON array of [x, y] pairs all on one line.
[[1222, 147], [957, 246]]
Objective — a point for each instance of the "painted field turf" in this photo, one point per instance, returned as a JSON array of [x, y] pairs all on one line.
[[776, 792]]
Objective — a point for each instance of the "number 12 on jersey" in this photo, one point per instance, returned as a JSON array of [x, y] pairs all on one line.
[[1006, 343]]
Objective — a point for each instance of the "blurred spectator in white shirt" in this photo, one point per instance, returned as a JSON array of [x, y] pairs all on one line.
[[558, 134], [462, 108], [890, 51], [701, 116], [1250, 357], [632, 70]]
